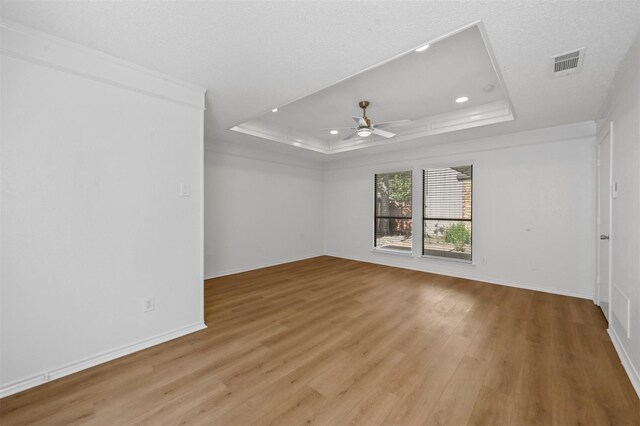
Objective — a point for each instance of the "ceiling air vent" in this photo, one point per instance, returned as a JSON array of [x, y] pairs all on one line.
[[567, 63]]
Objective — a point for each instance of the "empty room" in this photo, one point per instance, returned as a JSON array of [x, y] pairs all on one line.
[[320, 212]]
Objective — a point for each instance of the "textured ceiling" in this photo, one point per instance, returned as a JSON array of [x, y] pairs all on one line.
[[254, 55]]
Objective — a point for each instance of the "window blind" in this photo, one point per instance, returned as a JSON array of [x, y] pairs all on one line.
[[393, 209], [447, 212]]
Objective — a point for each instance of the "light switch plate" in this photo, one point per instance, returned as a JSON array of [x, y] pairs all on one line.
[[185, 190]]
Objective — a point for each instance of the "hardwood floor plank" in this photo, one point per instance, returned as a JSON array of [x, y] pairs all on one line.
[[373, 409], [419, 399], [492, 408], [456, 403]]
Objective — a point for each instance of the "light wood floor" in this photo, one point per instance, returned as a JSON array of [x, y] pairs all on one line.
[[334, 342]]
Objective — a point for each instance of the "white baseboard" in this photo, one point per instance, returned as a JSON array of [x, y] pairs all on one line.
[[487, 280], [471, 277], [634, 377], [532, 287], [259, 266], [73, 367]]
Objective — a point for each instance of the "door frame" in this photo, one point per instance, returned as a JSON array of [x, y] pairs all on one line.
[[606, 133]]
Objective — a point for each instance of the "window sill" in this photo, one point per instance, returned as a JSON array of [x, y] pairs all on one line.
[[392, 252], [448, 259]]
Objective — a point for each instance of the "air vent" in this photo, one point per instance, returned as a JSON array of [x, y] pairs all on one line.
[[567, 63]]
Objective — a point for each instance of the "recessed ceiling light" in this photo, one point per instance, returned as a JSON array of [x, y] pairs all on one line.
[[488, 88], [462, 99], [423, 48], [274, 110], [334, 132], [297, 144]]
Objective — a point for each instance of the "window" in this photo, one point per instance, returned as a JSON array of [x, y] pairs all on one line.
[[447, 197], [392, 223]]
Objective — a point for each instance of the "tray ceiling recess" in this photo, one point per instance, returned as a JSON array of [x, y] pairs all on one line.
[[448, 84]]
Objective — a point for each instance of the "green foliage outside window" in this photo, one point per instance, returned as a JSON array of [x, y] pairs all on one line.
[[396, 186], [458, 235]]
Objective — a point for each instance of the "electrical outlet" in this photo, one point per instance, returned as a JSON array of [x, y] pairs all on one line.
[[148, 304]]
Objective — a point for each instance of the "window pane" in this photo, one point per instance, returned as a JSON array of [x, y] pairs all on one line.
[[447, 212], [393, 225], [447, 238], [393, 234], [393, 194]]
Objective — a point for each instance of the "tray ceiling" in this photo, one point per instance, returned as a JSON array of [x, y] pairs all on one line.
[[421, 86]]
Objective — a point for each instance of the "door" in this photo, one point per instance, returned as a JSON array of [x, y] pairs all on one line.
[[603, 287]]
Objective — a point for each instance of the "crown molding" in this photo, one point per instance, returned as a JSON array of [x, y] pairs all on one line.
[[27, 44]]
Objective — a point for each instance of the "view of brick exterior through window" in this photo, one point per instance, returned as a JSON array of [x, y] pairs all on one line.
[[448, 212], [466, 196]]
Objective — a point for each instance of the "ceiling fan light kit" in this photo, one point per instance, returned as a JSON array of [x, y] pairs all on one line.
[[365, 128]]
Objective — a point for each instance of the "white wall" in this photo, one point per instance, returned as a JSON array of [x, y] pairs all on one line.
[[533, 211], [260, 212], [93, 153], [623, 110]]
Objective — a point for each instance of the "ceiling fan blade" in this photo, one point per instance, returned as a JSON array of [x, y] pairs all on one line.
[[387, 124], [351, 136], [338, 128], [383, 133], [361, 121]]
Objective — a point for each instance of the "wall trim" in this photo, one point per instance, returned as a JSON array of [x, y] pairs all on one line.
[[260, 154], [25, 43], [584, 130], [486, 280], [201, 160], [76, 366], [260, 266], [96, 78], [630, 369]]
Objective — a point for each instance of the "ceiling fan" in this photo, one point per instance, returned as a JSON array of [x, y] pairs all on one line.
[[365, 128]]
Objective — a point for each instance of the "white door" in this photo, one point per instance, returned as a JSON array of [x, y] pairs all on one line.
[[603, 290]]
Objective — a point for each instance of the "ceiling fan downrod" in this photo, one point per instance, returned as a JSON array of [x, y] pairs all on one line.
[[364, 105]]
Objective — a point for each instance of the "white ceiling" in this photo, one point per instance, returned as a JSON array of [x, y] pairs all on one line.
[[252, 56]]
